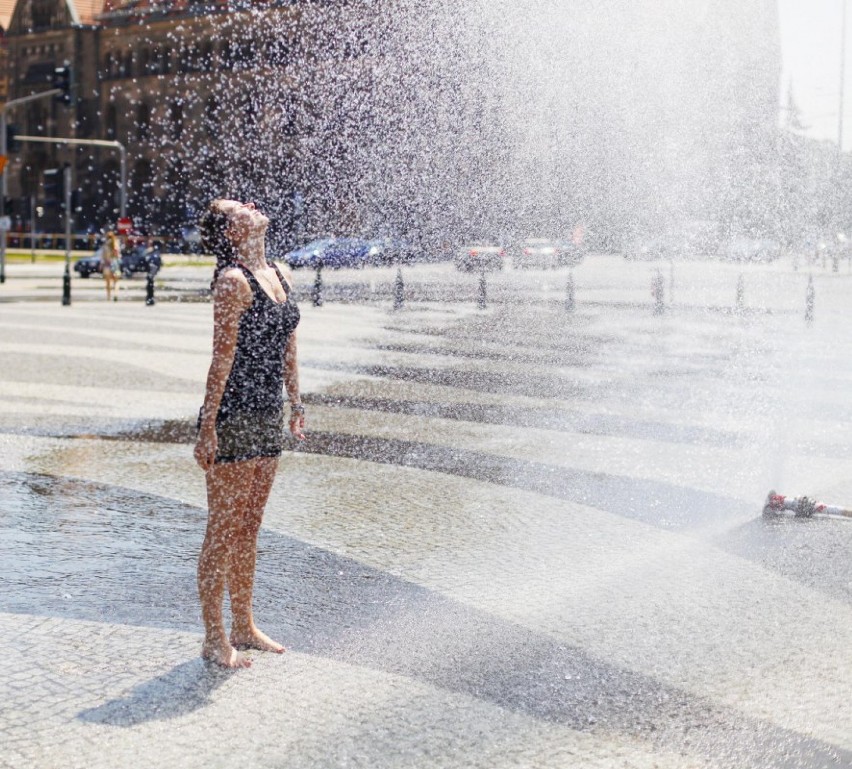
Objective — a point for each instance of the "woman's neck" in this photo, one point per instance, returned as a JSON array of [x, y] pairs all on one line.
[[252, 253]]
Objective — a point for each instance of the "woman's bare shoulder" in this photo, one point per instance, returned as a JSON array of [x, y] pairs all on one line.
[[231, 285]]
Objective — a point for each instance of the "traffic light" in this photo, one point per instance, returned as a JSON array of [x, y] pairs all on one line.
[[53, 182], [62, 81], [12, 143]]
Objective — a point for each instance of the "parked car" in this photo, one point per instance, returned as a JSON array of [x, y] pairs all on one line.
[[391, 250], [141, 258], [536, 253], [334, 253], [480, 257], [650, 249], [570, 254], [752, 250], [308, 255], [86, 265]]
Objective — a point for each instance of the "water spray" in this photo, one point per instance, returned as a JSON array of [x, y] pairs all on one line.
[[777, 505]]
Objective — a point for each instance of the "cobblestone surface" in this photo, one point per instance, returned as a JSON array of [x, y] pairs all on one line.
[[518, 538]]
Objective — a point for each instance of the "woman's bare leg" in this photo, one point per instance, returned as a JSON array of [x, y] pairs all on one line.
[[244, 633], [108, 284], [229, 488]]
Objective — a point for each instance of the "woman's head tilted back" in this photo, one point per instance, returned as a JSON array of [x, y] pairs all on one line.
[[213, 228]]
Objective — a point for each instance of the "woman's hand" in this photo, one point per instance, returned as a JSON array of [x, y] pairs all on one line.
[[297, 423], [205, 448]]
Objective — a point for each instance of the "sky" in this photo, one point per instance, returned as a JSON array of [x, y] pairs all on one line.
[[810, 48]]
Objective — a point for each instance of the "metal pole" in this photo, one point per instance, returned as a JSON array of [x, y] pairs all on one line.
[[6, 107], [398, 290], [842, 81], [92, 143], [3, 197], [122, 152], [32, 227], [66, 279], [316, 294], [570, 302]]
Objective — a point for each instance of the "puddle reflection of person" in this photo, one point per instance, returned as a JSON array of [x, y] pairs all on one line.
[[242, 421], [110, 265]]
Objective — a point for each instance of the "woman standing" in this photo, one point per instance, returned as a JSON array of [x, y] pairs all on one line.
[[111, 265], [241, 424]]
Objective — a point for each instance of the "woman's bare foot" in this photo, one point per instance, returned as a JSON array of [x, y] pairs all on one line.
[[255, 639], [224, 655]]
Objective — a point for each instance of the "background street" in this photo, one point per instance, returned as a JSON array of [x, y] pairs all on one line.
[[516, 536]]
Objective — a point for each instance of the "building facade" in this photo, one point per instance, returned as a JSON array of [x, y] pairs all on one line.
[[505, 120], [208, 101]]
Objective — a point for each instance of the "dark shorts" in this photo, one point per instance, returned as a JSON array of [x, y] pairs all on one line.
[[249, 435]]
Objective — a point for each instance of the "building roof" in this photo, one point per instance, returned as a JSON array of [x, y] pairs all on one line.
[[82, 11], [7, 8], [87, 10]]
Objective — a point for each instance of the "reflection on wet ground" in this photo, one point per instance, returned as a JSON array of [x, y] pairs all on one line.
[[84, 551], [813, 552]]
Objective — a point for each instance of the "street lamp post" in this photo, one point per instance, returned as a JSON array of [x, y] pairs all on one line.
[[66, 278], [3, 149], [122, 151], [842, 81]]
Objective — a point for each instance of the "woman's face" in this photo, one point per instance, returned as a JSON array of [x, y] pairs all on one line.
[[244, 219]]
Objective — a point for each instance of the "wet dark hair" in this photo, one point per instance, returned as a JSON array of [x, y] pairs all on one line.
[[213, 227]]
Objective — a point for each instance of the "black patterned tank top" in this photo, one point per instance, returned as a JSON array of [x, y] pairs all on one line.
[[256, 381]]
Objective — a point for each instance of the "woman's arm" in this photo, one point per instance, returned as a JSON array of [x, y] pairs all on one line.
[[231, 298], [291, 384]]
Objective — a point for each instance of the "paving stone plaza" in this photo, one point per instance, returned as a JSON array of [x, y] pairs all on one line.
[[517, 535]]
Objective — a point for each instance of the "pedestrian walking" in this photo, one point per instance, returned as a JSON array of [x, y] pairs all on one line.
[[111, 265], [241, 426]]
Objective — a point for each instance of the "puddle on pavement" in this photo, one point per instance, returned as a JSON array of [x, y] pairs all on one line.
[[64, 541]]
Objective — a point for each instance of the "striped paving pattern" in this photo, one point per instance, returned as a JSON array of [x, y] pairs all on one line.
[[516, 537]]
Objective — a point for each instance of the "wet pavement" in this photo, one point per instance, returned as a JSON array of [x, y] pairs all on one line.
[[516, 537]]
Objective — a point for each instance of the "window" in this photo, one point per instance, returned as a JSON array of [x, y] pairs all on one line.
[[164, 63], [244, 55], [206, 63], [143, 122], [176, 120], [36, 117], [226, 54], [42, 13], [112, 122], [276, 52], [211, 117]]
